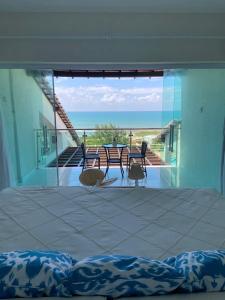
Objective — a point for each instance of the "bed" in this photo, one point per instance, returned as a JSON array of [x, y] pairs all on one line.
[[197, 296], [155, 223]]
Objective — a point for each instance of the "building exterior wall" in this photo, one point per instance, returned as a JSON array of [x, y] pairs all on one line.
[[25, 109]]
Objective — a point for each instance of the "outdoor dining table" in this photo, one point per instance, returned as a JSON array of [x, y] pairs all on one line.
[[114, 160]]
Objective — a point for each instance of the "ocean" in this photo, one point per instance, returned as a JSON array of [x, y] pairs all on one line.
[[125, 119]]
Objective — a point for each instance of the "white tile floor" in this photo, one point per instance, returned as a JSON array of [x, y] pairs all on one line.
[[70, 177]]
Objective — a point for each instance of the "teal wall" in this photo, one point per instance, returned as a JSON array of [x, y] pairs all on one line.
[[203, 113], [23, 107], [197, 97]]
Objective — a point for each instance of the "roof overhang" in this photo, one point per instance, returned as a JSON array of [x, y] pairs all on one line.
[[108, 73]]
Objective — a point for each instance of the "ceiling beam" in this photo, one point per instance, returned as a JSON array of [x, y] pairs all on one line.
[[108, 73]]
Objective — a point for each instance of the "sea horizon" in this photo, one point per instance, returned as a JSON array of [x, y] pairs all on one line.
[[124, 119], [75, 111]]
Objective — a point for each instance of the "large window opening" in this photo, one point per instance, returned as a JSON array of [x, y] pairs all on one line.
[[46, 116], [103, 106]]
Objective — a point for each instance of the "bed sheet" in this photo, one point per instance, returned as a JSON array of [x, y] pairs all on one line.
[[155, 223]]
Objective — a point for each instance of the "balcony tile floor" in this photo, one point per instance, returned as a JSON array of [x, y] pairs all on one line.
[[69, 176]]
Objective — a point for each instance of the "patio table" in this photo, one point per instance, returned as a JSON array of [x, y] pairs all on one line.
[[114, 160]]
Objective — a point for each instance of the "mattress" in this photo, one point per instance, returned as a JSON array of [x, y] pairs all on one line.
[[197, 296], [155, 223]]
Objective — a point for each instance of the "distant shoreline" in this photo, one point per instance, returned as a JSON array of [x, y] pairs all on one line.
[[125, 119], [113, 111]]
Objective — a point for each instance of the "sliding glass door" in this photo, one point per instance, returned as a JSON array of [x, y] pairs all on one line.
[[171, 123], [27, 124]]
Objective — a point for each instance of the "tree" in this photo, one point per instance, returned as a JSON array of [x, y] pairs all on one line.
[[106, 133]]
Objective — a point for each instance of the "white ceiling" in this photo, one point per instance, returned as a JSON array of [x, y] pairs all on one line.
[[153, 6]]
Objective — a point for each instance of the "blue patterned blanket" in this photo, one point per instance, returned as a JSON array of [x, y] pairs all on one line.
[[51, 273]]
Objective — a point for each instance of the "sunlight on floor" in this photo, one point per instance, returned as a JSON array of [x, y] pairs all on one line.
[[70, 177]]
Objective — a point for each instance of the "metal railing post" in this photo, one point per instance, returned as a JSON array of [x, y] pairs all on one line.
[[37, 148], [130, 135], [84, 137]]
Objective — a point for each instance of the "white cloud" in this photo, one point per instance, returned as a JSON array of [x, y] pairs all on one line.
[[105, 97]]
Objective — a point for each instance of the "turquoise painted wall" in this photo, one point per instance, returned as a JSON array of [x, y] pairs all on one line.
[[23, 106], [203, 113], [197, 97]]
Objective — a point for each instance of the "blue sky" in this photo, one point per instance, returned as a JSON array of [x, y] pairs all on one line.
[[109, 94]]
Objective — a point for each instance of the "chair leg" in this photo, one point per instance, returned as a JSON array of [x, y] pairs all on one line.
[[107, 168], [129, 163], [99, 163], [106, 171], [83, 165], [145, 169], [121, 168]]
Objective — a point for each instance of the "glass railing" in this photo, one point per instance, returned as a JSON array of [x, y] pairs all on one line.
[[60, 149], [70, 139], [50, 143], [133, 137]]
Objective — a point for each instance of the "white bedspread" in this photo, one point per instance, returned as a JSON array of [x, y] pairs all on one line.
[[148, 222]]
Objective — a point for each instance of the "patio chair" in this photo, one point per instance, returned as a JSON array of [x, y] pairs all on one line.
[[141, 156], [87, 156]]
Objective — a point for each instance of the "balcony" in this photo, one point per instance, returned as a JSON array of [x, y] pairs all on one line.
[[67, 156]]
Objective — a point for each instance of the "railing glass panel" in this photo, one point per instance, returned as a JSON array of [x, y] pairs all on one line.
[[69, 141]]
